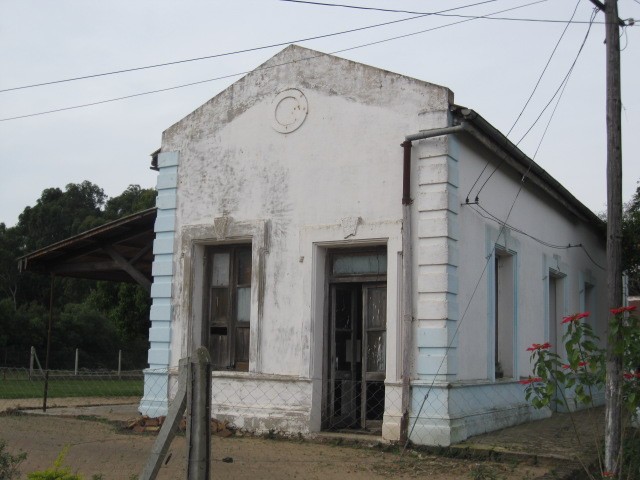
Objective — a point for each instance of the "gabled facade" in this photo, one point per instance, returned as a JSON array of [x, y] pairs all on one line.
[[280, 246]]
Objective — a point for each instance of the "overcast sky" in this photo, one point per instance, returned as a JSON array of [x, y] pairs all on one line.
[[491, 66]]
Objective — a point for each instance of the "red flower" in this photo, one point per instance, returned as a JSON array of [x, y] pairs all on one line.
[[566, 366], [529, 380], [618, 311], [582, 364], [575, 317], [538, 346], [608, 474], [628, 376]]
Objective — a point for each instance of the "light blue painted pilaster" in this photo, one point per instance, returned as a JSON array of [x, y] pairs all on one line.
[[155, 400]]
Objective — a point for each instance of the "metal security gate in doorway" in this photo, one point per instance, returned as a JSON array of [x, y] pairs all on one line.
[[357, 342]]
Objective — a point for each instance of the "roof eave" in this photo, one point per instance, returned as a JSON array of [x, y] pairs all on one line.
[[543, 178]]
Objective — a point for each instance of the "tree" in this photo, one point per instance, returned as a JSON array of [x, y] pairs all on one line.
[[58, 215], [96, 317], [133, 199], [10, 245], [631, 242]]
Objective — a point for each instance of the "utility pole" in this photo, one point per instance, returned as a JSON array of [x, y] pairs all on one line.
[[613, 389]]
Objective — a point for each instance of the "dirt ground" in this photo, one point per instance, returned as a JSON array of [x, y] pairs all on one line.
[[107, 451]]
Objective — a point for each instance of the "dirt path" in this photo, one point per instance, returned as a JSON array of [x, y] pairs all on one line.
[[100, 448]]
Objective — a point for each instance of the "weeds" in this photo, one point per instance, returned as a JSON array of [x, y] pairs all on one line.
[[483, 472], [57, 471], [9, 463]]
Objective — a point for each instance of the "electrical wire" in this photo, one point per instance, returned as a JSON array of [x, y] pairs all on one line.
[[236, 52], [555, 48], [100, 102], [503, 227], [492, 217], [464, 313], [559, 91], [626, 38], [391, 10], [566, 78], [535, 88]]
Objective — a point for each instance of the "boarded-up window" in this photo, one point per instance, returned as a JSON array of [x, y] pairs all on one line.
[[228, 305]]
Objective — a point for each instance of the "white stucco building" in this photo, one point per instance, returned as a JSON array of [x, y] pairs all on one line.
[[279, 245]]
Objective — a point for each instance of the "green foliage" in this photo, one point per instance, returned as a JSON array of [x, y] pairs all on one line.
[[57, 471], [9, 463], [483, 472], [81, 326], [631, 242], [630, 465], [58, 215], [585, 370], [628, 327], [133, 199], [98, 318]]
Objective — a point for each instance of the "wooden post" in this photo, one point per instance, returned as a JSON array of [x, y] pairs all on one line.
[[119, 362], [613, 389], [46, 360], [169, 427], [407, 289], [199, 416], [32, 355], [75, 370]]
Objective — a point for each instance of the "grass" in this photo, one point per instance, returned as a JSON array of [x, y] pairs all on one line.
[[19, 386]]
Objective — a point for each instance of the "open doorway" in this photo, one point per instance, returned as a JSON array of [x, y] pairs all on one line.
[[356, 349]]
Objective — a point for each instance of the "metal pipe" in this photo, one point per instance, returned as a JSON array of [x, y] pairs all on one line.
[[406, 173], [407, 271], [435, 132]]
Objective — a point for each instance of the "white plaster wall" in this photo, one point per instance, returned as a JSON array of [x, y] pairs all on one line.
[[537, 215], [344, 161]]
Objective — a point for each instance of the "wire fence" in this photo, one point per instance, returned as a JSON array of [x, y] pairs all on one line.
[[246, 413]]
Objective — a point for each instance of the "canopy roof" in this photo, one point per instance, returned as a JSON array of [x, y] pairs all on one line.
[[121, 250]]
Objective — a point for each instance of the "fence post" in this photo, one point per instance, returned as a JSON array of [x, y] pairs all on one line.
[[169, 427], [32, 355], [75, 371], [119, 362], [199, 416]]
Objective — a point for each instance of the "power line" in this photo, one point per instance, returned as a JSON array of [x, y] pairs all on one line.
[[566, 79], [528, 100], [176, 87], [559, 90], [535, 88], [391, 10], [492, 217], [236, 52], [503, 227], [473, 293]]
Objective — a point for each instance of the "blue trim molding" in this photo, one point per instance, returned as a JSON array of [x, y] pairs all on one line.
[[156, 378]]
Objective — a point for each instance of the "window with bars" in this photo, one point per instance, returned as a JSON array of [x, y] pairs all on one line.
[[228, 305]]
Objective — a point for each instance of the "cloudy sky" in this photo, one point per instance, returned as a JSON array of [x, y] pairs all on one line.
[[491, 65]]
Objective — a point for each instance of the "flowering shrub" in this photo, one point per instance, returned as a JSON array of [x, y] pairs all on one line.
[[628, 325], [584, 369]]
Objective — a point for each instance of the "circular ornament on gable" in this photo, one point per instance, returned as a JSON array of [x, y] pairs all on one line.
[[290, 110]]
